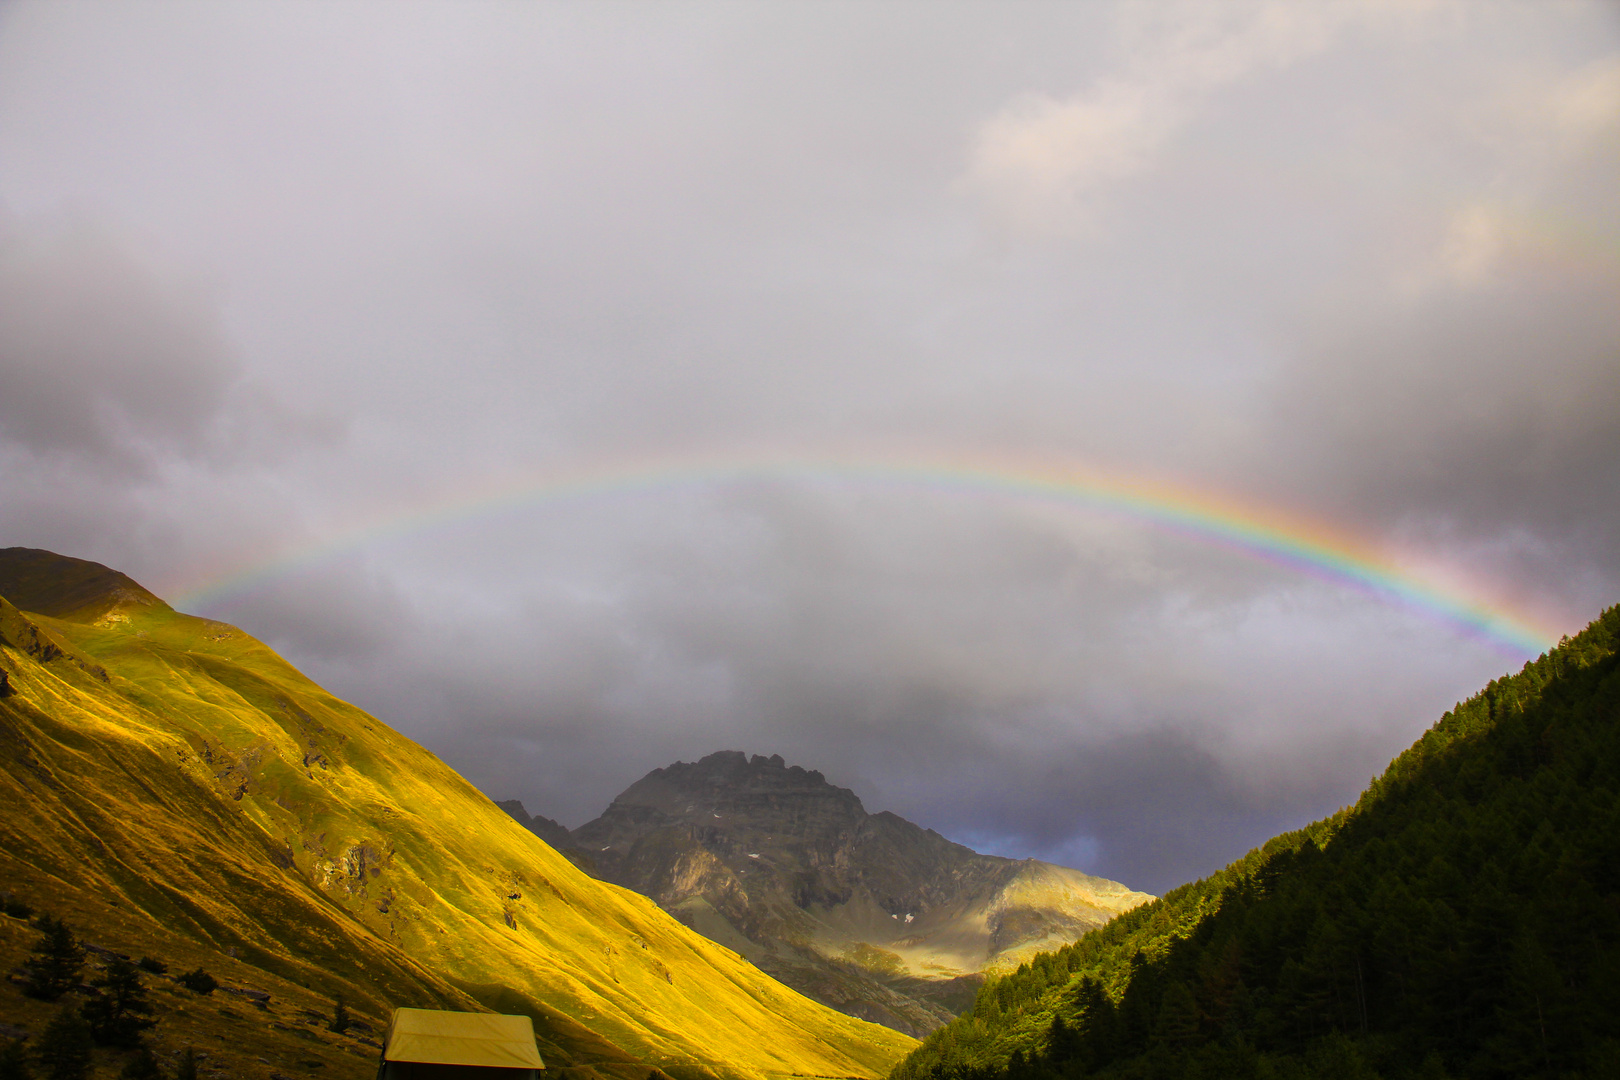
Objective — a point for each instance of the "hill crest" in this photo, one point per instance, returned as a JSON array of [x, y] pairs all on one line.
[[74, 590]]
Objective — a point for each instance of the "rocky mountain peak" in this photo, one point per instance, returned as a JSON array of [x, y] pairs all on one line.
[[730, 786], [869, 913], [733, 770]]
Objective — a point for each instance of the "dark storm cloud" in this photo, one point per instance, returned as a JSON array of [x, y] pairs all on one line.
[[1083, 806], [359, 263]]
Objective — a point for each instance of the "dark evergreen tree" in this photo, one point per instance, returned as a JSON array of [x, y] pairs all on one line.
[[186, 1068], [1177, 1023], [340, 1017], [64, 1046], [57, 962], [1062, 1043], [1097, 1037], [142, 1066], [121, 1013], [1137, 1006], [1022, 1067], [14, 1061]]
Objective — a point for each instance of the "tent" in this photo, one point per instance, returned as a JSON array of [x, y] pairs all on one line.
[[428, 1044]]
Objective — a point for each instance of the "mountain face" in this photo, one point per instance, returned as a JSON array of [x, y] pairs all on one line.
[[1461, 920], [550, 831], [172, 788], [868, 913]]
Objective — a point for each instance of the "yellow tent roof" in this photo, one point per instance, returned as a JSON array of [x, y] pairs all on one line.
[[462, 1038]]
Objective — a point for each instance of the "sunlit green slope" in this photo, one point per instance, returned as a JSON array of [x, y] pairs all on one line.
[[173, 780]]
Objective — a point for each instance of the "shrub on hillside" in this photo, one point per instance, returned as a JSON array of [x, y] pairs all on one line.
[[198, 982], [152, 966]]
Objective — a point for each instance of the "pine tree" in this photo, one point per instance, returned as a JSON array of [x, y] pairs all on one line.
[[120, 1014], [1062, 1042], [187, 1068], [1177, 1023], [14, 1063], [1097, 1024], [142, 1066], [57, 963], [340, 1017], [64, 1046]]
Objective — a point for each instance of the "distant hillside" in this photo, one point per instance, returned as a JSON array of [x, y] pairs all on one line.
[[171, 787], [1462, 919], [865, 912]]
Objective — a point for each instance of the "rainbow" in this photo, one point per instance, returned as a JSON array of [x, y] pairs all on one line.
[[1266, 533]]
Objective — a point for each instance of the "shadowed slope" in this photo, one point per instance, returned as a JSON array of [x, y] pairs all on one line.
[[46, 583]]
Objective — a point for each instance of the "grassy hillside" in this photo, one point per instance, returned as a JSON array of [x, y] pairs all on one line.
[[1462, 919], [172, 787]]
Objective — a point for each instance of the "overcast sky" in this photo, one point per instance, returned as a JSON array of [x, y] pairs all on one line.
[[294, 278]]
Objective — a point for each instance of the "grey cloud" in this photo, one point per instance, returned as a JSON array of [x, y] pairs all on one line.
[[1089, 801], [110, 358], [102, 357], [1474, 403], [1480, 423], [342, 611]]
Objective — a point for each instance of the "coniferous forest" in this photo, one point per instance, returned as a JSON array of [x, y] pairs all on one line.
[[1461, 920]]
